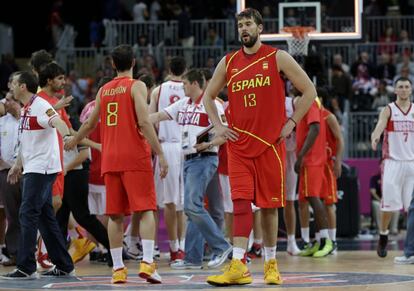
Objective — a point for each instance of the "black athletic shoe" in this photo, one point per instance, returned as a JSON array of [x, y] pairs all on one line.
[[94, 256], [105, 258], [55, 272], [382, 246], [19, 275]]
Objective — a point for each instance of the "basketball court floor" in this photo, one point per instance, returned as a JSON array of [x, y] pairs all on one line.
[[355, 267]]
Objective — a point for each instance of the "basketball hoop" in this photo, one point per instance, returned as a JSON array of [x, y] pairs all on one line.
[[299, 41]]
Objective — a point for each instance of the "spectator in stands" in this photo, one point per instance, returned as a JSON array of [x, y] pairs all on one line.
[[142, 48], [96, 32], [185, 36], [387, 42], [382, 95], [7, 67], [373, 8], [230, 10], [341, 85], [361, 87], [211, 64], [55, 22], [405, 62], [150, 64], [406, 73], [386, 70], [155, 10], [291, 19], [213, 39], [363, 59], [140, 11], [79, 85], [337, 60]]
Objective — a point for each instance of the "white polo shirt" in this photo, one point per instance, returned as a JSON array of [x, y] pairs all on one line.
[[193, 119], [9, 130], [39, 144]]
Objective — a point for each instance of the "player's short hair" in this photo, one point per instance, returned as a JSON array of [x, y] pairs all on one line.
[[50, 71], [402, 79], [122, 56], [28, 78], [177, 65], [40, 59], [250, 13], [194, 75]]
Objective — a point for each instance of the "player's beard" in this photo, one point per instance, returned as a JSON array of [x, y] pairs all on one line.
[[250, 42]]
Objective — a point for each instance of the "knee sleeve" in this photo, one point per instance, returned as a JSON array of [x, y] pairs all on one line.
[[242, 218]]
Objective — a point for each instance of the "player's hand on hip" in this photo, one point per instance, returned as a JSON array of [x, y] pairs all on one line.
[[163, 166], [226, 132], [286, 130], [298, 165]]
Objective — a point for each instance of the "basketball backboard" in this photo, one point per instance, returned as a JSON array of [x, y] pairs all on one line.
[[332, 19]]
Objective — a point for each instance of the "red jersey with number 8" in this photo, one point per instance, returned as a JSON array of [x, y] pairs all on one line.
[[256, 100], [124, 147]]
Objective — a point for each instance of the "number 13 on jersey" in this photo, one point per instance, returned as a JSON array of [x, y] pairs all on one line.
[[112, 114], [249, 100]]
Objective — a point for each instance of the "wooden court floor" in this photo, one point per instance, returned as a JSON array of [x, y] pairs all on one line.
[[346, 270]]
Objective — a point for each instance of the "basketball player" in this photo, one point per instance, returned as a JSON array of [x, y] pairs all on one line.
[[257, 121], [397, 122], [170, 191], [126, 160]]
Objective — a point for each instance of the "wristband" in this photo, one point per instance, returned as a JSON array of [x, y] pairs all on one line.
[[292, 120]]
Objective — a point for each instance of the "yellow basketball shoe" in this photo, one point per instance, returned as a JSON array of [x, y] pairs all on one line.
[[149, 272], [119, 276], [326, 250], [236, 273], [271, 273], [83, 246]]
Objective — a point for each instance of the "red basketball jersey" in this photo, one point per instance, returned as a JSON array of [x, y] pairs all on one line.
[[123, 146], [256, 100], [331, 142], [316, 156]]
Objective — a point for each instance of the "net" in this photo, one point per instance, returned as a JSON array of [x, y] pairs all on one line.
[[299, 41]]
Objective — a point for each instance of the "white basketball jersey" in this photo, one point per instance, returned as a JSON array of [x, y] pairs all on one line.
[[170, 92], [291, 139], [398, 141]]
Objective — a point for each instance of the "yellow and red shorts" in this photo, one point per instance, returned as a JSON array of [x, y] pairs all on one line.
[[260, 179]]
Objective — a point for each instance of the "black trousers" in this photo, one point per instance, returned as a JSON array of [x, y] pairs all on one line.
[[75, 200]]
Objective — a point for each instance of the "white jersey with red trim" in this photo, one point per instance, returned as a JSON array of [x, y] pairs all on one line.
[[291, 139], [39, 145], [193, 120], [398, 141], [170, 92]]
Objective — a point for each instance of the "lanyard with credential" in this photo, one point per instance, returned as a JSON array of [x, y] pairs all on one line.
[[23, 119]]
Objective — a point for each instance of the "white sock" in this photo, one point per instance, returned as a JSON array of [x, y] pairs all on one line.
[[258, 241], [318, 237], [182, 244], [117, 258], [291, 238], [270, 253], [386, 232], [304, 231], [238, 253], [148, 250], [174, 245], [332, 233], [324, 233]]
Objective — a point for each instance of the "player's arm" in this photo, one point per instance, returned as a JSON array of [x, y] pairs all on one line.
[[374, 194], [16, 170], [139, 93], [61, 126], [86, 127], [380, 127], [154, 118], [309, 141], [217, 141], [287, 64], [154, 100], [336, 130], [217, 82]]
